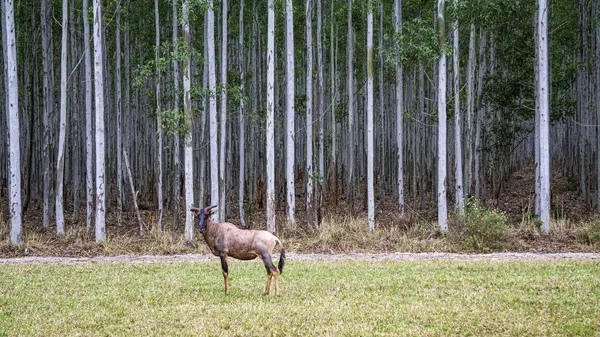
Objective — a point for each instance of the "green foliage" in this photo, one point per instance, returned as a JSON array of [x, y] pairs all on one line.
[[173, 121], [590, 234], [485, 229]]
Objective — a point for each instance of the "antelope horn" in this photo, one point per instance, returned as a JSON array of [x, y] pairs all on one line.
[[211, 207], [195, 209]]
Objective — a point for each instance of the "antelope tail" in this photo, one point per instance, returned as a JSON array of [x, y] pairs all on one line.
[[281, 257]]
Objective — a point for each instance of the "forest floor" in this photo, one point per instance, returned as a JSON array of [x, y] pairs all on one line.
[[504, 224], [491, 296]]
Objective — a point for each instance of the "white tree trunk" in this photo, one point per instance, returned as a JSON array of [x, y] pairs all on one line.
[[48, 103], [480, 113], [350, 144], [321, 96], [271, 117], [213, 129], [544, 108], [89, 163], [60, 166], [176, 148], [158, 119], [290, 97], [310, 215], [399, 109], [242, 135], [441, 184], [370, 187], [12, 115], [458, 167], [470, 108], [222, 179], [188, 156], [99, 84], [118, 108]]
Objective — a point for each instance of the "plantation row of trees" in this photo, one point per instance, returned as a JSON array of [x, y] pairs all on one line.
[[349, 100]]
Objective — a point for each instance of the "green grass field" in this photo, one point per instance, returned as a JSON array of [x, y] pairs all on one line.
[[324, 298]]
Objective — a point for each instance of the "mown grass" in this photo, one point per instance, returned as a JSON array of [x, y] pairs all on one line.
[[325, 298]]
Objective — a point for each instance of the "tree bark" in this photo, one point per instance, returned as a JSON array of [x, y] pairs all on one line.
[[370, 187], [159, 181], [399, 109], [60, 168], [222, 179], [213, 129], [188, 155], [99, 84], [242, 134], [290, 97], [441, 192], [12, 119], [458, 167], [270, 141], [310, 212], [89, 180], [544, 116]]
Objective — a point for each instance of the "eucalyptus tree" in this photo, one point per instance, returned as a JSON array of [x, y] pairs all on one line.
[[458, 167], [100, 229], [159, 162], [310, 215], [544, 120], [222, 188], [213, 129], [12, 113], [176, 148], [290, 97], [188, 156], [350, 94], [470, 109], [399, 108], [370, 187], [441, 183], [48, 93], [270, 127], [89, 163], [119, 114], [242, 131], [60, 169], [320, 93]]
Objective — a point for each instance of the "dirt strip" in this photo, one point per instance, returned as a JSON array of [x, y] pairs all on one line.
[[310, 257]]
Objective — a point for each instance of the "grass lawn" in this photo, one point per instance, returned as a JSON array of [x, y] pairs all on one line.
[[324, 298]]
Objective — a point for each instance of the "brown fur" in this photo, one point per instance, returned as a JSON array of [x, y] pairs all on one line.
[[225, 239]]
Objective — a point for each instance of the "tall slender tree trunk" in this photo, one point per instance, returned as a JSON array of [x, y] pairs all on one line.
[[47, 65], [544, 116], [119, 115], [382, 113], [99, 84], [213, 129], [321, 96], [89, 163], [441, 192], [334, 97], [310, 212], [370, 150], [187, 101], [159, 182], [350, 75], [176, 148], [290, 97], [12, 119], [242, 135], [222, 179], [480, 114], [270, 141], [470, 109], [399, 109], [458, 167], [60, 169]]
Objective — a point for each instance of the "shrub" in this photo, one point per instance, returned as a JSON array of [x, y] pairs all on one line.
[[485, 229], [590, 234]]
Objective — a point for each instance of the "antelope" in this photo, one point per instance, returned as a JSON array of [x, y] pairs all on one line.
[[226, 240]]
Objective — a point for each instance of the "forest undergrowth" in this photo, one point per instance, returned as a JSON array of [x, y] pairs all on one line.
[[504, 224]]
